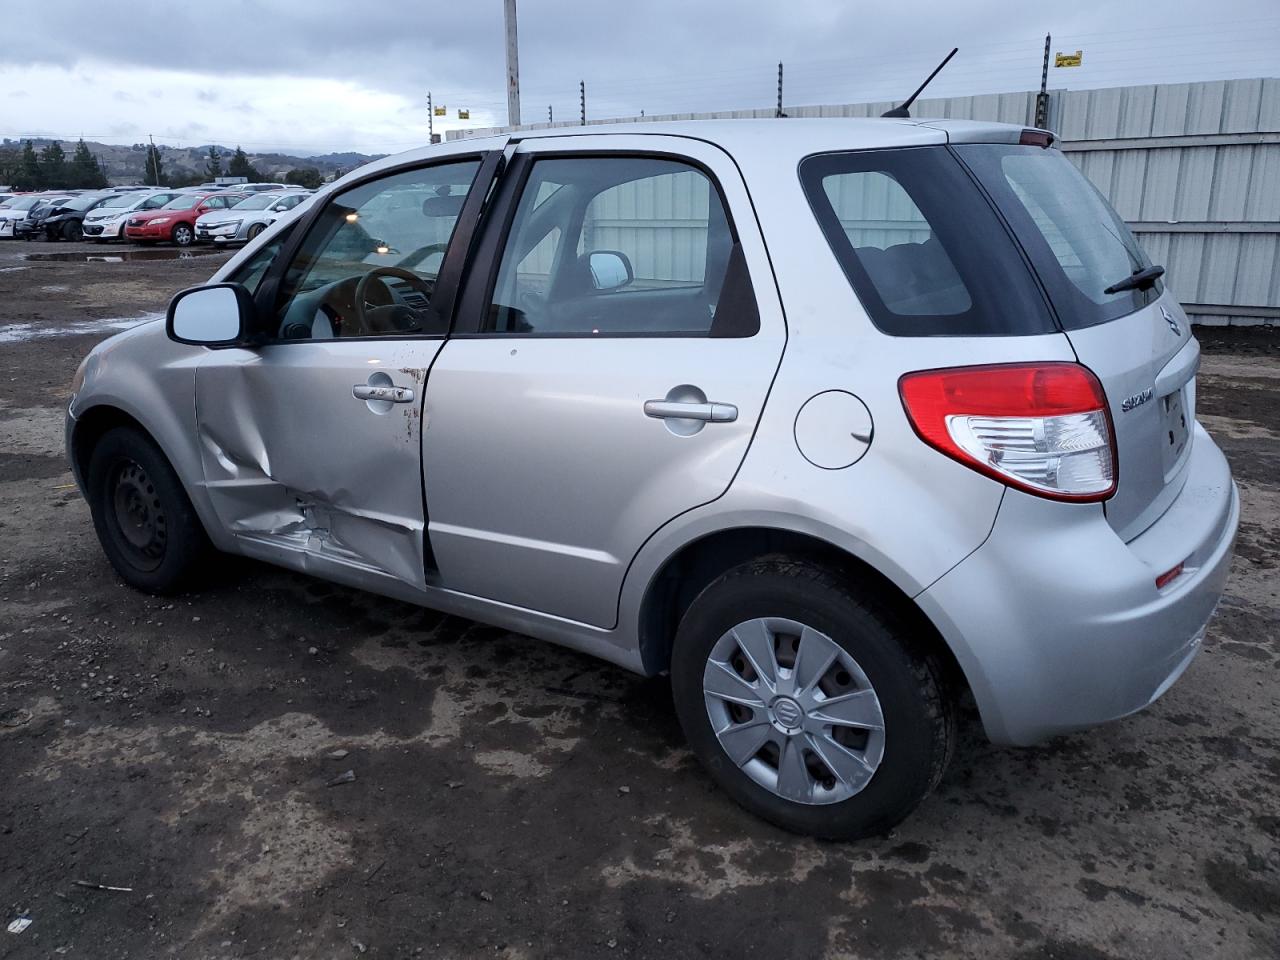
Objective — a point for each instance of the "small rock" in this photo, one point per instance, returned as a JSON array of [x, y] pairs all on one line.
[[624, 789], [612, 943], [453, 784], [347, 776], [338, 755], [486, 896], [312, 650]]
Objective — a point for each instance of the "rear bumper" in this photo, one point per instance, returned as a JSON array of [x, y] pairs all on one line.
[[1058, 624]]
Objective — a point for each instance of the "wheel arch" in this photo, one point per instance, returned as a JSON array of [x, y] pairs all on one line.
[[690, 569]]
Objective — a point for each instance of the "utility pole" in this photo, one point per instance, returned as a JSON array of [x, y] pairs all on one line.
[[513, 65], [151, 155], [778, 112], [431, 115], [582, 102], [1042, 98]]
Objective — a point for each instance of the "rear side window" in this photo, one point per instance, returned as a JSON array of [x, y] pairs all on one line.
[[922, 247], [1078, 243]]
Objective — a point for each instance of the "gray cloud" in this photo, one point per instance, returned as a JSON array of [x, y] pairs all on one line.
[[656, 55]]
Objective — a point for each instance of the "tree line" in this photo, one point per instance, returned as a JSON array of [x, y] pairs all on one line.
[[50, 168]]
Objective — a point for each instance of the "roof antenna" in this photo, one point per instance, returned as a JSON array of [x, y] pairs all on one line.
[[905, 109]]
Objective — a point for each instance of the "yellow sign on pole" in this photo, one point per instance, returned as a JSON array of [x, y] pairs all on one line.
[[464, 114], [441, 111], [1068, 59]]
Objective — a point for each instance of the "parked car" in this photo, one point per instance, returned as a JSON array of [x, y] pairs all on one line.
[[17, 209], [248, 218], [106, 221], [261, 187], [32, 225], [831, 420], [176, 220], [65, 221]]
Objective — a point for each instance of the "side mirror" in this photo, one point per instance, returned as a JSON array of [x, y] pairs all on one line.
[[216, 315], [610, 269]]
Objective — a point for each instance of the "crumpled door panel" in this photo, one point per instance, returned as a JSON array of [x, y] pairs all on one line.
[[292, 459]]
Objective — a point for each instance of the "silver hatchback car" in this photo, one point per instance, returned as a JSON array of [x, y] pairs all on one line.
[[834, 421]]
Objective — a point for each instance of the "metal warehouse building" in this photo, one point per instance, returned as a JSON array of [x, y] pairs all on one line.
[[1193, 167]]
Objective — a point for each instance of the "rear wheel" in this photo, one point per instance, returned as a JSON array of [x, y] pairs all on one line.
[[812, 706], [144, 520], [182, 235]]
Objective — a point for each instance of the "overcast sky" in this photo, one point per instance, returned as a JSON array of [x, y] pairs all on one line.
[[309, 76]]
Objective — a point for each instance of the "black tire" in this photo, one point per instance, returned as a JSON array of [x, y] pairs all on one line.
[[143, 517], [182, 235], [73, 231], [919, 712], [256, 229]]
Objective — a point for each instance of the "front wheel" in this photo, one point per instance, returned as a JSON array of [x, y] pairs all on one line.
[[183, 235], [812, 706], [256, 229], [143, 517], [73, 231]]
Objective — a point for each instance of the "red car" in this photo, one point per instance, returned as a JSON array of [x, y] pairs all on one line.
[[176, 220]]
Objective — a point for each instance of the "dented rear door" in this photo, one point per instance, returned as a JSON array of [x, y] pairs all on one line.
[[312, 441]]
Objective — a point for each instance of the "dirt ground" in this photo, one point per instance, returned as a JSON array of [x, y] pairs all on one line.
[[515, 800]]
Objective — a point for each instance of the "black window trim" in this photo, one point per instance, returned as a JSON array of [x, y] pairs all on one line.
[[448, 280], [473, 305]]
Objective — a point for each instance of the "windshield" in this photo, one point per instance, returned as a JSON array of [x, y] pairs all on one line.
[[1077, 243], [124, 200], [80, 203], [259, 201], [25, 203], [184, 202]]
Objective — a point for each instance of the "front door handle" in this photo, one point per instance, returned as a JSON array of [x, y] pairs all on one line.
[[682, 410], [387, 394]]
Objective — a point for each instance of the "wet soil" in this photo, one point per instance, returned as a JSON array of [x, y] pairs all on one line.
[[511, 799]]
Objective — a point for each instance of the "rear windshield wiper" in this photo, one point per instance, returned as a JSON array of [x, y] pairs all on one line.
[[1143, 279]]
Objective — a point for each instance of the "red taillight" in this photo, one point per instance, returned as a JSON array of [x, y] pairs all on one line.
[[1040, 427], [1035, 138]]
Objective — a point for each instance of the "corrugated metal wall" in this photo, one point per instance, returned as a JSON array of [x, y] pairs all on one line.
[[1193, 167]]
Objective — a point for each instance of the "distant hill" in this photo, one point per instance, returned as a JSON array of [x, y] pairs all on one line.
[[126, 164]]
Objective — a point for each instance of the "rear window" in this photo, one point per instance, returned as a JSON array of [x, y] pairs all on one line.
[[1077, 243], [925, 252]]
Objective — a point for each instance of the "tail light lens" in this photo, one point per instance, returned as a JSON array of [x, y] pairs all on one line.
[[1040, 427]]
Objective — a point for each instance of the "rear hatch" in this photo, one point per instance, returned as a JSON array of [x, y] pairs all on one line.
[[1136, 340]]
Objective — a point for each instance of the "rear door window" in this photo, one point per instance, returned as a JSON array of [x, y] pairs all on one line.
[[922, 247], [1078, 243]]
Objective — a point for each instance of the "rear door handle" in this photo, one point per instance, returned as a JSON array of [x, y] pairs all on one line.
[[680, 410], [368, 391]]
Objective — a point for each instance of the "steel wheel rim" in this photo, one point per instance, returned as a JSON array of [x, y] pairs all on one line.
[[794, 711], [138, 515]]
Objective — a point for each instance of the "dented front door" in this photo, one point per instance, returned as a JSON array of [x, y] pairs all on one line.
[[297, 462], [312, 440]]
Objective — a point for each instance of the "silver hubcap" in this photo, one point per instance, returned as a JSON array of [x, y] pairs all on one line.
[[793, 710]]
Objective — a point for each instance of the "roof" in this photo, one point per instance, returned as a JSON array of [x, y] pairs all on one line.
[[797, 136]]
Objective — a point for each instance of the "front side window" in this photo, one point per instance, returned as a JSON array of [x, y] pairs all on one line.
[[925, 252], [369, 262], [621, 246]]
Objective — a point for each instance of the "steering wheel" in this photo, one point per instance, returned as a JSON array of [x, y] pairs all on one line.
[[394, 317], [415, 256]]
